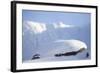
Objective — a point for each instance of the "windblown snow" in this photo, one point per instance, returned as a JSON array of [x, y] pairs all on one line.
[[48, 40]]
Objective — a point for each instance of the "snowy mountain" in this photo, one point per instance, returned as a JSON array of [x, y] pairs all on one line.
[[49, 39]]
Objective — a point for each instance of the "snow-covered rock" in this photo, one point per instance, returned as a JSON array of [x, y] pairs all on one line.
[[64, 46]]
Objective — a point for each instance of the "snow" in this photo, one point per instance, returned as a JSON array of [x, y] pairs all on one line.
[[81, 56], [63, 46], [62, 25], [36, 27], [73, 44], [44, 39]]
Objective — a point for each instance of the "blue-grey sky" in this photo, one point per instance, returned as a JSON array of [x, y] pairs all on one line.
[[79, 19], [80, 23]]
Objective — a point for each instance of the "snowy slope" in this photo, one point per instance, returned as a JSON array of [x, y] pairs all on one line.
[[50, 39]]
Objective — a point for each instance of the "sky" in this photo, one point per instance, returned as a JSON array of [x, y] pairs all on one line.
[[45, 27], [52, 17]]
